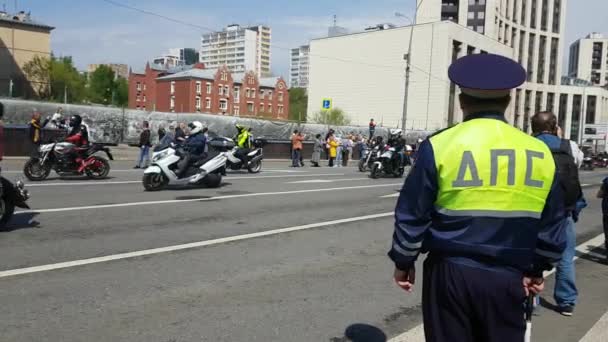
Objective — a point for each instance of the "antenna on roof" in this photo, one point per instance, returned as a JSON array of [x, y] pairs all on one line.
[[335, 20]]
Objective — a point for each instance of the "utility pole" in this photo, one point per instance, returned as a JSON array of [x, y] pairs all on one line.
[[65, 94]]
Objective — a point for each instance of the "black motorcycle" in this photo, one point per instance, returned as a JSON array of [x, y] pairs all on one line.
[[388, 164], [11, 196], [62, 157], [369, 157], [588, 164]]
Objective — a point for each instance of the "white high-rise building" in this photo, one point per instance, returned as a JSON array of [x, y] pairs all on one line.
[[298, 76], [241, 49], [589, 59]]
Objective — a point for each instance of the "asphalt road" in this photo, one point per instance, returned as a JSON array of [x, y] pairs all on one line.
[[286, 255]]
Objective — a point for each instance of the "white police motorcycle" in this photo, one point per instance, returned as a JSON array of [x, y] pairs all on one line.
[[254, 157]]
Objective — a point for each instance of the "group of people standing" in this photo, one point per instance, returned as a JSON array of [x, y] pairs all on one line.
[[336, 149], [75, 130]]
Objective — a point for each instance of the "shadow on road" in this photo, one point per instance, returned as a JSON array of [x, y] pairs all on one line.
[[362, 333], [21, 221]]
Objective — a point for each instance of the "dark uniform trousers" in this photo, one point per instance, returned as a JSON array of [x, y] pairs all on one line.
[[465, 304]]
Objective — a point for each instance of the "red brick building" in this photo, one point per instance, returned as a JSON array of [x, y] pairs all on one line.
[[209, 91]]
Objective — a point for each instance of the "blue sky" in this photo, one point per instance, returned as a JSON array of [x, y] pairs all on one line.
[[93, 31]]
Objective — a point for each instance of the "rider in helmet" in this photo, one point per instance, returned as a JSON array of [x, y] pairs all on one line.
[[194, 147], [243, 142], [78, 135], [397, 141]]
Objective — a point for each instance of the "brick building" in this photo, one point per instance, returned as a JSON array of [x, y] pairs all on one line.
[[220, 91]]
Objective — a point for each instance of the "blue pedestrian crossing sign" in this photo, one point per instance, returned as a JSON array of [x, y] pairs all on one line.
[[327, 104]]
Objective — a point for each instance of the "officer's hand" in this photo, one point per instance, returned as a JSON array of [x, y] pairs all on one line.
[[533, 285], [405, 279]]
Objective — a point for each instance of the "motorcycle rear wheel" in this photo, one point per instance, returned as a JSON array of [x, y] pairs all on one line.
[[101, 172], [154, 182], [7, 208], [213, 180], [34, 171]]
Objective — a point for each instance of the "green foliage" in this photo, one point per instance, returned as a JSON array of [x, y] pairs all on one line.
[[66, 81], [121, 97], [298, 104], [102, 85], [334, 117]]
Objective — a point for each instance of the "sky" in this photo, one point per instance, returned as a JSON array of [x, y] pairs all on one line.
[[95, 31]]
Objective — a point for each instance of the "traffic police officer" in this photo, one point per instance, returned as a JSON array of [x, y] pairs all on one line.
[[483, 201]]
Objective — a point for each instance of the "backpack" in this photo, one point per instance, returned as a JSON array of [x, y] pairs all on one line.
[[568, 174]]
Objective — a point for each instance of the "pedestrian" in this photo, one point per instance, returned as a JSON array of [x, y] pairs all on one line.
[[603, 194], [544, 128], [296, 148], [316, 151], [169, 137], [347, 150], [161, 133], [302, 150], [491, 226], [372, 128], [330, 132], [180, 133], [144, 146], [35, 130], [338, 151], [333, 144]]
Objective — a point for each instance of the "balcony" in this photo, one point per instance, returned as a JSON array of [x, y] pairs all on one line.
[[447, 9]]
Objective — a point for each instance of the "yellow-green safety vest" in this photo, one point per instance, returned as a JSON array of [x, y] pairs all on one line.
[[486, 167]]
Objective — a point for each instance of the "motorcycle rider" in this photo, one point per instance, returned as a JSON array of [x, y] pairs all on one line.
[[79, 134], [243, 143], [194, 147], [397, 142]]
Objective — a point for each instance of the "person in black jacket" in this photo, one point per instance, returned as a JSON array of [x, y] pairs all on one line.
[[144, 147]]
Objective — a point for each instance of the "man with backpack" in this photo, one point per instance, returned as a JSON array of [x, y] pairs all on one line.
[[544, 128]]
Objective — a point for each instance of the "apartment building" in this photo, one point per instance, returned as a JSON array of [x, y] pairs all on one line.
[[299, 67], [589, 59], [120, 70], [239, 48]]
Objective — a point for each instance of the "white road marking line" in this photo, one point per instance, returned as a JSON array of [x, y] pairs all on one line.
[[598, 332], [417, 334], [227, 178], [391, 195], [68, 264], [259, 194], [313, 181]]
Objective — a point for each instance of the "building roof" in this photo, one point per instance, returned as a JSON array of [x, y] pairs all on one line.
[[269, 82], [23, 19], [207, 74], [160, 67]]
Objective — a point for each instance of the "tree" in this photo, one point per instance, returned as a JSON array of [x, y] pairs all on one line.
[[38, 71], [121, 96], [298, 104], [102, 85], [334, 117]]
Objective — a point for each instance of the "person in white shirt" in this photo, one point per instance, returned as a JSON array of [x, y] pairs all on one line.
[[576, 151]]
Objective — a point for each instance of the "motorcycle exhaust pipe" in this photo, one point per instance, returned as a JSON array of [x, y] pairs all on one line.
[[256, 159]]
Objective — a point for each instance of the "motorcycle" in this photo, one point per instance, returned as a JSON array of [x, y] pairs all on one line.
[[161, 173], [369, 158], [254, 157], [387, 165], [11, 196], [587, 164], [600, 162], [63, 157]]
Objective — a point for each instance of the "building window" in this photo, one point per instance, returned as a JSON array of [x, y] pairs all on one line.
[[538, 102], [261, 108], [270, 109], [261, 93], [550, 99], [226, 91], [144, 86], [540, 76], [198, 103], [253, 93], [172, 103], [520, 51], [517, 109], [280, 96], [591, 104], [270, 94], [533, 11], [223, 105], [527, 109], [479, 29], [281, 111], [221, 90], [207, 103], [144, 97], [138, 86], [553, 61], [208, 88], [523, 13], [247, 93], [576, 117], [531, 44], [481, 15], [544, 14], [237, 94], [236, 110], [557, 11], [471, 15], [137, 98], [251, 80], [250, 108], [198, 87], [224, 76], [172, 87]]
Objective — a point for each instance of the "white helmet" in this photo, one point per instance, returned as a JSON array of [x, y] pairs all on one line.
[[396, 131], [195, 127]]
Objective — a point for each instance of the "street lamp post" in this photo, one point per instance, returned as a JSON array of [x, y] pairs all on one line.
[[408, 59]]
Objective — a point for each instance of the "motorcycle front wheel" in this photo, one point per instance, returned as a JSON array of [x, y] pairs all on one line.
[[362, 165], [99, 170], [7, 208], [375, 174], [35, 171], [154, 181]]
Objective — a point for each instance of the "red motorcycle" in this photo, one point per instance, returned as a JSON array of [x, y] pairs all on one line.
[[67, 159]]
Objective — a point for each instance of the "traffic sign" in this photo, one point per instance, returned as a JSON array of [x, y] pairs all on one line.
[[327, 104]]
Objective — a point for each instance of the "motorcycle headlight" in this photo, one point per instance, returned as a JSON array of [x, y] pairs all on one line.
[[160, 156]]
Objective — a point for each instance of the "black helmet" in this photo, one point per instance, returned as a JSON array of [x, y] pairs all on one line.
[[75, 121]]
